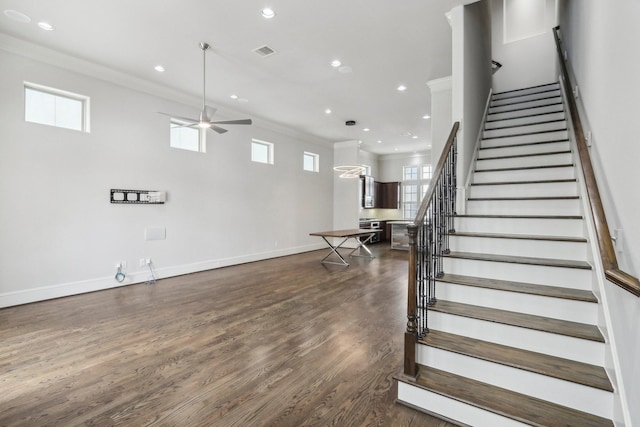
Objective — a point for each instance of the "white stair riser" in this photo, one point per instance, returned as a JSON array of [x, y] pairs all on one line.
[[554, 108], [585, 351], [525, 105], [565, 172], [556, 308], [587, 399], [524, 207], [527, 91], [524, 120], [541, 127], [574, 278], [488, 153], [520, 247], [497, 101], [524, 139], [524, 190], [515, 162], [451, 408], [543, 227]]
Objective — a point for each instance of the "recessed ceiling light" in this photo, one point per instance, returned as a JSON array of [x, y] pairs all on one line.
[[402, 88], [234, 96], [366, 129], [327, 111], [268, 13], [414, 137], [336, 63], [159, 68], [426, 116], [379, 141], [395, 149], [17, 16], [45, 26]]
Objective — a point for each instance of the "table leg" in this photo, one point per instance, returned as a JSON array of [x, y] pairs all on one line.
[[334, 250], [361, 244]]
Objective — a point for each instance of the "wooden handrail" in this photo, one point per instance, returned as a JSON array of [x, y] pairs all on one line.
[[607, 251], [424, 206]]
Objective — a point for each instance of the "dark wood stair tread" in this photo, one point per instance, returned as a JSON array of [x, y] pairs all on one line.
[[520, 236], [543, 88], [526, 409], [548, 262], [543, 122], [553, 141], [563, 165], [518, 216], [528, 321], [517, 102], [540, 132], [540, 181], [516, 156], [521, 287], [506, 199], [544, 364]]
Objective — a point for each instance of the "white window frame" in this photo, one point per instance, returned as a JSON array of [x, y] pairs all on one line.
[[58, 93], [315, 166], [270, 151], [419, 178], [202, 138]]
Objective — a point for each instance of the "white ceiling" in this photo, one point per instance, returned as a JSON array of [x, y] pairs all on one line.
[[385, 43]]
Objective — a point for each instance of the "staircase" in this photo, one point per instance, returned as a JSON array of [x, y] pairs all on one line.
[[513, 338]]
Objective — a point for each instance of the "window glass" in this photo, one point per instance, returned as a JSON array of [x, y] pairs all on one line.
[[310, 162], [261, 151], [186, 138], [53, 107]]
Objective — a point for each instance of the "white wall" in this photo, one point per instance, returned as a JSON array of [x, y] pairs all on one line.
[[471, 80], [440, 114], [526, 62], [346, 202], [59, 233], [601, 42]]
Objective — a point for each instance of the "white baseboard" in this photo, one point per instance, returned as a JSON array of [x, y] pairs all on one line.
[[42, 293]]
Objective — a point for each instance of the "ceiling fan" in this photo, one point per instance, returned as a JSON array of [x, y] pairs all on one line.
[[205, 121]]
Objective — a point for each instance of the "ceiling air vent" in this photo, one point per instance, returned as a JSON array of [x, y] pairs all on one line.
[[264, 51]]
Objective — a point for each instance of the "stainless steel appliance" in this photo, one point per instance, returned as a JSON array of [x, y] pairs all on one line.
[[367, 191], [371, 223]]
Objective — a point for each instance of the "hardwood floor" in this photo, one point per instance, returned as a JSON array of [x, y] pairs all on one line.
[[282, 342]]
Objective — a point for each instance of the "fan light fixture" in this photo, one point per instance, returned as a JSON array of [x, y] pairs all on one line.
[[204, 121], [349, 171], [268, 13]]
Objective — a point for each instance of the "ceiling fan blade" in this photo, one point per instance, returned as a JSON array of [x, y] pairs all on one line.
[[218, 129], [186, 119], [235, 122], [210, 110]]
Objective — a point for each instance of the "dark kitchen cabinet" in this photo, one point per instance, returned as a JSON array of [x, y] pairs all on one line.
[[388, 195]]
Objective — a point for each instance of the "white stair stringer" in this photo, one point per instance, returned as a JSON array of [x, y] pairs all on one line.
[[522, 223]]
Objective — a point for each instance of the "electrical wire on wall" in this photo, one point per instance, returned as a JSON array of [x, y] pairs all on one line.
[[152, 277], [120, 276]]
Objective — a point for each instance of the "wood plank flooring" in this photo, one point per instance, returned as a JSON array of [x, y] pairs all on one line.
[[282, 342]]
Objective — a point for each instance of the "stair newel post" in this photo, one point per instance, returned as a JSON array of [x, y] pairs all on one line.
[[411, 334]]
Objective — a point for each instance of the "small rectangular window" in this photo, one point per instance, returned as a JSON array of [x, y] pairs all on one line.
[[187, 138], [261, 151], [426, 172], [311, 162], [54, 107], [410, 173], [366, 170]]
